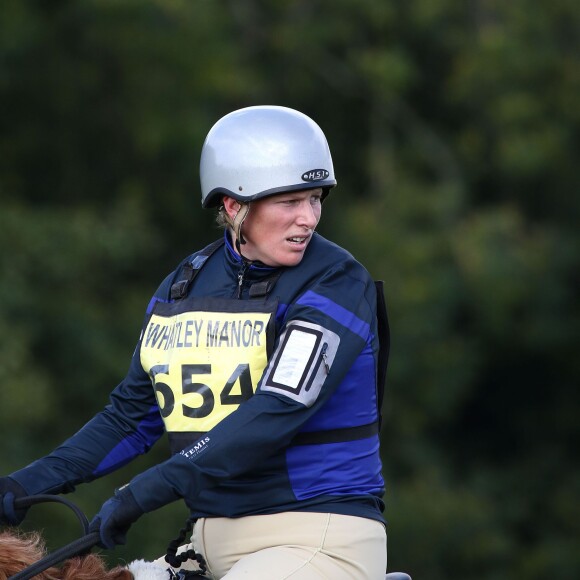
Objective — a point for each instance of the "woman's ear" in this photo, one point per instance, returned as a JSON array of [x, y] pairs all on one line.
[[231, 206]]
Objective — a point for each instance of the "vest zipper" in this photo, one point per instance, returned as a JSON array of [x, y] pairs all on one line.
[[241, 275], [323, 355], [321, 359]]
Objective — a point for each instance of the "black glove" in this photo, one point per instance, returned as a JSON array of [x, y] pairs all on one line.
[[115, 518], [10, 490]]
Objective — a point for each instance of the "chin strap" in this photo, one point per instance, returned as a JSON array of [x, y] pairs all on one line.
[[237, 223]]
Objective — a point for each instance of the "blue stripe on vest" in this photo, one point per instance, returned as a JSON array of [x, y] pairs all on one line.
[[353, 403], [337, 312], [347, 468]]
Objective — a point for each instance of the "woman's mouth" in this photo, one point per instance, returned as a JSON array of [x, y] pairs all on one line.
[[298, 240]]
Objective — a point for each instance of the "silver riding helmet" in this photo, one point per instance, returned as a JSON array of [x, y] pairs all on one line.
[[260, 151]]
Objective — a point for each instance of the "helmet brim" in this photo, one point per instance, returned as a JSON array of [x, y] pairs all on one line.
[[214, 197]]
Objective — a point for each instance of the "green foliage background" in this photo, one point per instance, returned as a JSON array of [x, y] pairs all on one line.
[[455, 134]]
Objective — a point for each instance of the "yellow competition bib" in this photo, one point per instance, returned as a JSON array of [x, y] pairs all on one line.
[[205, 357]]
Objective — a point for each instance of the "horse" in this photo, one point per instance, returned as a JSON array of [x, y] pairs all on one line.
[[19, 551]]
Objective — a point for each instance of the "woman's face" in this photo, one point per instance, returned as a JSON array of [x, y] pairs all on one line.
[[279, 228]]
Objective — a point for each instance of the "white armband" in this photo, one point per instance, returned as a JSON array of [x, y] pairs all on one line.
[[301, 362]]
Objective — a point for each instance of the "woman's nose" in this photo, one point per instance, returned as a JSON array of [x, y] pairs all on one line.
[[308, 215]]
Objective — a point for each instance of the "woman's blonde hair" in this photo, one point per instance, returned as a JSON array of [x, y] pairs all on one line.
[[221, 218]]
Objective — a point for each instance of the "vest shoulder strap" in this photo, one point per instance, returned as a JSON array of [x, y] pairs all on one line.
[[191, 269], [264, 287]]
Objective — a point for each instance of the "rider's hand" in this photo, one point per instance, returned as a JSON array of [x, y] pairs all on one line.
[[115, 518], [10, 490]]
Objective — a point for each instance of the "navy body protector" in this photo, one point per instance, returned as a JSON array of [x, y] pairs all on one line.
[[191, 269]]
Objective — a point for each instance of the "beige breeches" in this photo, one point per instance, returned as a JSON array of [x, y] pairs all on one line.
[[292, 545]]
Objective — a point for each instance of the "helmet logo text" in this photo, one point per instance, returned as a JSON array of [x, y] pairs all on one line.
[[315, 175]]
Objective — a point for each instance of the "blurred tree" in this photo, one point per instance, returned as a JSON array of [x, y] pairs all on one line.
[[454, 130]]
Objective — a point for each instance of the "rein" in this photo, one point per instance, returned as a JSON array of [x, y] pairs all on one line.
[[84, 544], [75, 548], [25, 502], [80, 546]]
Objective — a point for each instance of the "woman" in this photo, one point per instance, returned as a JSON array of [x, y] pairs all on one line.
[[263, 353]]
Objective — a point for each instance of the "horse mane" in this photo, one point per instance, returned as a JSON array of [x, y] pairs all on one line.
[[20, 550]]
